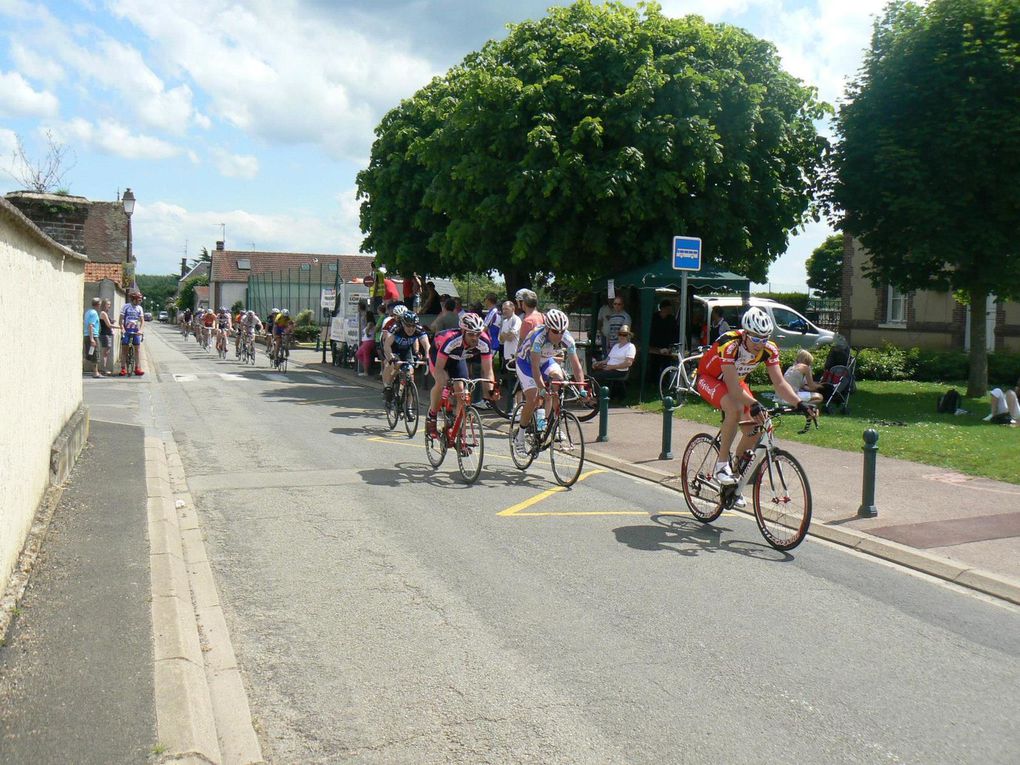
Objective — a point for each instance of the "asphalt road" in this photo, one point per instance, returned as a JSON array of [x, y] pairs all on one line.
[[383, 612]]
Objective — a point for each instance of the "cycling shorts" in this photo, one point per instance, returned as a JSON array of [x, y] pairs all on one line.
[[404, 354], [548, 368], [453, 367], [712, 389], [278, 330], [131, 338]]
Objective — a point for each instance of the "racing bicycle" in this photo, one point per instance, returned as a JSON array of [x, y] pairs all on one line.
[[278, 358], [679, 379], [462, 432], [579, 399], [404, 404], [779, 486], [562, 434]]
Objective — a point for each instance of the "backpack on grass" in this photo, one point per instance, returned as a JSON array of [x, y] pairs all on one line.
[[948, 402]]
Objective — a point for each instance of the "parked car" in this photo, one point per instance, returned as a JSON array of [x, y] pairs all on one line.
[[164, 316], [792, 329], [147, 316]]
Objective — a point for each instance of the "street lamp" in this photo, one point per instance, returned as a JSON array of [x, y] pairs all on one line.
[[128, 200]]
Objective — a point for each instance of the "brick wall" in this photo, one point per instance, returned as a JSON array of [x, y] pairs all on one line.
[[96, 272]]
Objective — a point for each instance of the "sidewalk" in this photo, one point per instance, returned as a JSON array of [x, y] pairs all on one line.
[[952, 526]]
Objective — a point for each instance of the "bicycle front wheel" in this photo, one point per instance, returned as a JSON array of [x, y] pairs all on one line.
[[700, 491], [524, 459], [392, 408], [668, 382], [470, 445], [435, 448], [567, 451], [410, 408], [782, 501]]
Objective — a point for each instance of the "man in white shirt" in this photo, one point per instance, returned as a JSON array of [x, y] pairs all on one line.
[[617, 318], [619, 361], [509, 327]]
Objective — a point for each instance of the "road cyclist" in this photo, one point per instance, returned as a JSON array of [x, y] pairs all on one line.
[[132, 324], [536, 365], [403, 343], [208, 327], [720, 381], [250, 324], [448, 359], [222, 331], [283, 326]]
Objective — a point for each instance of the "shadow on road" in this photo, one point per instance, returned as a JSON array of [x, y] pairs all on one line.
[[446, 475], [690, 538]]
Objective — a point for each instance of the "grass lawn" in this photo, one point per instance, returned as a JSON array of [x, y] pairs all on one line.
[[904, 415]]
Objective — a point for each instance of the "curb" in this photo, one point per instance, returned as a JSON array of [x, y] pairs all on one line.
[[948, 570], [202, 712]]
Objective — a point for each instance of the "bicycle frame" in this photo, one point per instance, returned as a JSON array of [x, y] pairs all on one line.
[[560, 389], [464, 396]]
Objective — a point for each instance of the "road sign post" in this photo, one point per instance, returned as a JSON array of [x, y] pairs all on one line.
[[686, 258]]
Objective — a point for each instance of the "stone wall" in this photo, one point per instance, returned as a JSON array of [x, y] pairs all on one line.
[[42, 391]]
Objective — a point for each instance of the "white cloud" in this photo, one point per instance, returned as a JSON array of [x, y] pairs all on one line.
[[111, 137], [280, 74], [161, 229], [38, 65], [236, 165], [17, 98]]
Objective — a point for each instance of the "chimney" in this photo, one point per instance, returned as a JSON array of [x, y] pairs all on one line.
[[184, 266], [219, 245]]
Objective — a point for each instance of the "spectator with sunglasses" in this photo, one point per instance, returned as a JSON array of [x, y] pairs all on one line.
[[721, 374]]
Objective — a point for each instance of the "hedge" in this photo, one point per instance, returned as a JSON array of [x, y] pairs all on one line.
[[892, 363]]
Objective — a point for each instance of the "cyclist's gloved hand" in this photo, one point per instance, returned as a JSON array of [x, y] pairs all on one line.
[[755, 409]]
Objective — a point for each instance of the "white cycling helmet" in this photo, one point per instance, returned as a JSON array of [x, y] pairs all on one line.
[[399, 310], [471, 322], [286, 312], [521, 294], [757, 322], [556, 320]]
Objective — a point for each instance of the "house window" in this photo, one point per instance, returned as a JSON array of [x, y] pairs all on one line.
[[896, 306], [244, 265]]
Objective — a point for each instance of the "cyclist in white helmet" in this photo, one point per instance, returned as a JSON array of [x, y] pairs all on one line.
[[537, 363], [721, 374]]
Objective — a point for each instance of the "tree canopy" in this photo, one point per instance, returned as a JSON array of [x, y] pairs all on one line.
[[927, 170], [584, 141], [825, 267]]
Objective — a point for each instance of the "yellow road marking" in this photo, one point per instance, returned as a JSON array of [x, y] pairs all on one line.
[[322, 400], [520, 507]]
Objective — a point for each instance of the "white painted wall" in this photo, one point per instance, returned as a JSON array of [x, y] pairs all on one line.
[[40, 392]]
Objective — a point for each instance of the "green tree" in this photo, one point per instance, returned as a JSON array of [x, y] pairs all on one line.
[[825, 267], [186, 296], [582, 142], [157, 289], [927, 171], [473, 288]]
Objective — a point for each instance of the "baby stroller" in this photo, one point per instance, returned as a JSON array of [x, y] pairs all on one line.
[[838, 380]]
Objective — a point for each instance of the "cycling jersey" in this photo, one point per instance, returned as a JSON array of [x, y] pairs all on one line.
[[729, 350], [131, 317], [402, 343], [451, 345], [222, 321], [208, 319], [538, 342]]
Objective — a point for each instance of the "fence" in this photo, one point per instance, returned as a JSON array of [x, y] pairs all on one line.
[[296, 289]]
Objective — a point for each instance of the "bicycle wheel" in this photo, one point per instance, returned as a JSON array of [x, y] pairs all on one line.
[[522, 461], [435, 448], [701, 493], [505, 406], [782, 501], [392, 410], [668, 382], [567, 450], [470, 445], [410, 408]]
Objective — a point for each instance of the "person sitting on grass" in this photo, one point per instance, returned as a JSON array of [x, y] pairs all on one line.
[[801, 380], [1005, 406]]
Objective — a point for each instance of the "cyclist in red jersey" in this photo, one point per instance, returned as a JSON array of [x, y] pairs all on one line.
[[721, 374]]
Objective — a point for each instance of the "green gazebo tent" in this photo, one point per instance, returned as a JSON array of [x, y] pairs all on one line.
[[656, 276]]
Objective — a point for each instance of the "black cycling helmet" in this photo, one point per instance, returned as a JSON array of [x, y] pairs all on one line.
[[409, 317]]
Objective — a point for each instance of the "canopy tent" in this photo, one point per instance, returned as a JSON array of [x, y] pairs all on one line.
[[661, 276]]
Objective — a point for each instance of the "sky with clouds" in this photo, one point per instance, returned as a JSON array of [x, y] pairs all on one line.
[[257, 114]]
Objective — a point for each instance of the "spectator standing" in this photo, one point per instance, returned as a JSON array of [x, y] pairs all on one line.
[[391, 294], [430, 303], [662, 334], [532, 316], [509, 331], [90, 346], [600, 323], [618, 318], [377, 292], [447, 318], [105, 338], [412, 291], [492, 321], [366, 349]]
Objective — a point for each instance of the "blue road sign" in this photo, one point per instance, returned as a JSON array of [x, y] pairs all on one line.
[[686, 253]]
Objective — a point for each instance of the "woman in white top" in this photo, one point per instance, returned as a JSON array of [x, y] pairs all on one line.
[[801, 380]]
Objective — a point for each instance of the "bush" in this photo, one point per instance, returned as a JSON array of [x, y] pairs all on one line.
[[1003, 368], [798, 301], [306, 319], [306, 333]]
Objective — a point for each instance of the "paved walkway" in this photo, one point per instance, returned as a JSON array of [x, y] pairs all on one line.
[[950, 525]]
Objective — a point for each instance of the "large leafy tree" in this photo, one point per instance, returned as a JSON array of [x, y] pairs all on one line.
[[581, 143], [927, 169], [825, 267]]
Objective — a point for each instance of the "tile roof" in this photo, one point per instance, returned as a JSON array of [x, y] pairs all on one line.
[[224, 264]]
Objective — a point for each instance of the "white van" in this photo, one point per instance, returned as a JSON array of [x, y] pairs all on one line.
[[792, 329]]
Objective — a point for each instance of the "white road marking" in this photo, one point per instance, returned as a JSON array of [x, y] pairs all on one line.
[[231, 376], [185, 378]]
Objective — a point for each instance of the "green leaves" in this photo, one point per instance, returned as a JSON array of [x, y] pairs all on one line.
[[585, 140]]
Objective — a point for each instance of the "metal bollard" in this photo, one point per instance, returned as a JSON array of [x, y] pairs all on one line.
[[867, 508], [603, 415], [667, 429]]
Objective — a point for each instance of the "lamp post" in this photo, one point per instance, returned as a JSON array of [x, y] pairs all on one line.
[[128, 200]]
